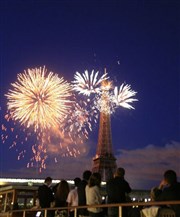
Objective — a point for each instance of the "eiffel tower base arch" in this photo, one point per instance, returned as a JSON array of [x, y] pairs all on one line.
[[105, 165]]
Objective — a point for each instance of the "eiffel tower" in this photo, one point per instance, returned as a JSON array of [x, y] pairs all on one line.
[[104, 161]]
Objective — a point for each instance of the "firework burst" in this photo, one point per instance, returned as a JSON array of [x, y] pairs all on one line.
[[123, 97], [79, 122], [38, 100], [37, 105], [88, 83], [52, 118], [107, 98]]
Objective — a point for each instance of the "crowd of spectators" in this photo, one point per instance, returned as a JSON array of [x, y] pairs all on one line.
[[88, 192]]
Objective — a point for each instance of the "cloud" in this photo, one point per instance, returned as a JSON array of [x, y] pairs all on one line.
[[144, 167], [70, 168]]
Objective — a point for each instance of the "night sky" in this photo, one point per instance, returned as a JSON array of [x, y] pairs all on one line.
[[136, 41]]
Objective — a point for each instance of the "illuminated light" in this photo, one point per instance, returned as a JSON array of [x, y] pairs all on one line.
[[4, 181]]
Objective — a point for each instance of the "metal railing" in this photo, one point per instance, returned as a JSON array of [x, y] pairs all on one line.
[[28, 212]]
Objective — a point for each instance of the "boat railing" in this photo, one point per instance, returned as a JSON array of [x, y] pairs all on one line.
[[33, 211]]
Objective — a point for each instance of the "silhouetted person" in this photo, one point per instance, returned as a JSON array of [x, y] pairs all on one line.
[[45, 195], [151, 211], [170, 190], [61, 194], [117, 188], [82, 194]]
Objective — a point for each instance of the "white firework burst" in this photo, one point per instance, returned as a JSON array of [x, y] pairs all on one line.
[[88, 83], [123, 96]]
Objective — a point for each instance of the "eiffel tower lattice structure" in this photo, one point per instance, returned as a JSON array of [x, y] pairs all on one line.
[[104, 161]]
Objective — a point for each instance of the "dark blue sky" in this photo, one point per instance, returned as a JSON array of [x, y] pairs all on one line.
[[70, 36]]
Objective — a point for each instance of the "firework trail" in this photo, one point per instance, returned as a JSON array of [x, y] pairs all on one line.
[[16, 136], [42, 144]]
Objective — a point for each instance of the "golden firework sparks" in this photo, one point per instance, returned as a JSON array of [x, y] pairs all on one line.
[[39, 99]]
